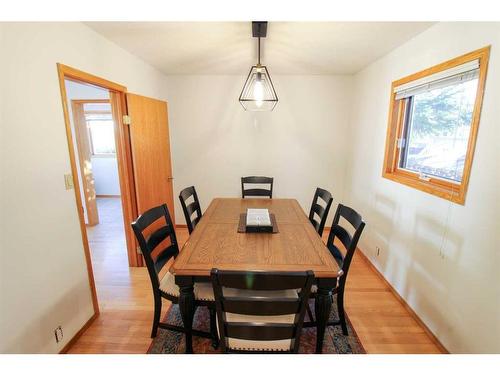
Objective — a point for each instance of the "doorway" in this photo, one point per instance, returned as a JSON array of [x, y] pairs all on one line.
[[108, 127], [93, 126]]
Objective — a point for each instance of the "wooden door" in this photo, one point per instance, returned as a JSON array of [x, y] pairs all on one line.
[[150, 143], [85, 162]]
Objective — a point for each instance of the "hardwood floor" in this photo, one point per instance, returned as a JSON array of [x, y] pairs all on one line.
[[381, 321]]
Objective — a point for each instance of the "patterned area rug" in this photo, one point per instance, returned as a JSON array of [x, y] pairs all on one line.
[[170, 342]]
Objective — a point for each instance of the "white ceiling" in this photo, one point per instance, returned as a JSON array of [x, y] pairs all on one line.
[[228, 47]]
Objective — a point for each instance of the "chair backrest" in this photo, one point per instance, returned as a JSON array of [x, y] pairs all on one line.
[[191, 208], [255, 304], [155, 233], [257, 192], [320, 210], [350, 242]]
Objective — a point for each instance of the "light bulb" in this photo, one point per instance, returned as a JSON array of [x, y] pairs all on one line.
[[258, 93]]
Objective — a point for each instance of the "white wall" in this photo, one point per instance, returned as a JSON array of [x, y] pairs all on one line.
[[43, 276], [457, 297], [302, 143], [105, 171]]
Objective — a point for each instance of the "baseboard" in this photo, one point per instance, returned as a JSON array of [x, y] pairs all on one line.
[[107, 196], [80, 332], [413, 314]]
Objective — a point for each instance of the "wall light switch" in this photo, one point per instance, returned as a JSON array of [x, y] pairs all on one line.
[[68, 181]]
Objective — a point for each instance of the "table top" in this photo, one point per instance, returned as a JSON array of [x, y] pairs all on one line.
[[215, 242]]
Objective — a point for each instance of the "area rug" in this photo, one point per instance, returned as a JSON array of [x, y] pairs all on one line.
[[170, 342]]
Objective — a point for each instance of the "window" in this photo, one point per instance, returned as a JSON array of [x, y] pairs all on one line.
[[433, 123], [101, 129]]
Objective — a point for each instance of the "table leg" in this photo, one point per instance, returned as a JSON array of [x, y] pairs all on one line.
[[322, 306], [187, 308]]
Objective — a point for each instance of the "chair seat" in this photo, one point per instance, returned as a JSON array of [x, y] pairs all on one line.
[[202, 291], [259, 345]]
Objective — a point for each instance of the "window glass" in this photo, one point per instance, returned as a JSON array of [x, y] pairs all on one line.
[[102, 137], [437, 130]]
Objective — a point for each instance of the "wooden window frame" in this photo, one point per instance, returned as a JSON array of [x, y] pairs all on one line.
[[443, 188]]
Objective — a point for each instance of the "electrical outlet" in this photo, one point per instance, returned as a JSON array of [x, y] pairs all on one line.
[[58, 333], [377, 250]]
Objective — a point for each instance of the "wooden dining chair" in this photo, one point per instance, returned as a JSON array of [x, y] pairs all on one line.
[[155, 233], [257, 192], [190, 208], [321, 211], [350, 244], [260, 312]]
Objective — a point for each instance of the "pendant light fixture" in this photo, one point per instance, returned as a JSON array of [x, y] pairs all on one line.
[[258, 93]]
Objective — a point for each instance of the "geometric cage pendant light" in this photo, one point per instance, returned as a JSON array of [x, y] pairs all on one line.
[[258, 93]]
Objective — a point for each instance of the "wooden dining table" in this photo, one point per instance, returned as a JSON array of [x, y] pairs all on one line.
[[216, 243]]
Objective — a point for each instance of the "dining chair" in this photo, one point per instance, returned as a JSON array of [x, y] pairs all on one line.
[[260, 312], [257, 192], [155, 233], [191, 208], [350, 244], [321, 211]]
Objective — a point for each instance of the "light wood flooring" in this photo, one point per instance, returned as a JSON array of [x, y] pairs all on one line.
[[381, 321]]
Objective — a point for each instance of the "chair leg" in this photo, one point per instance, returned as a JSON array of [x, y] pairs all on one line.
[[213, 327], [156, 317], [309, 313], [340, 308]]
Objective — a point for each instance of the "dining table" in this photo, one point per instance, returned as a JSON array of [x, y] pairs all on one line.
[[217, 243]]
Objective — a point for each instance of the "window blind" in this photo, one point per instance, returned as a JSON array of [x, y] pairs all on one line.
[[457, 74]]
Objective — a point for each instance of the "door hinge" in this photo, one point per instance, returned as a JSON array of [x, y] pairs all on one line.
[[401, 142], [126, 120], [138, 249]]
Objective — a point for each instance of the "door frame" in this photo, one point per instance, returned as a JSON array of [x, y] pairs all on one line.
[[124, 157]]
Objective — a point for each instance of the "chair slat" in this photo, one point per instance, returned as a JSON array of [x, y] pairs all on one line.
[[342, 234], [257, 180], [265, 306], [158, 236], [260, 331], [351, 216], [165, 255], [192, 207], [256, 192], [336, 253], [263, 281], [149, 217], [318, 209]]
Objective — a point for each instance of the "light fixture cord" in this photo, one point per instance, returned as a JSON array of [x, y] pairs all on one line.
[[259, 50]]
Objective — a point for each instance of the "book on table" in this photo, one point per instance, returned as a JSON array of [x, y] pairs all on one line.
[[258, 219]]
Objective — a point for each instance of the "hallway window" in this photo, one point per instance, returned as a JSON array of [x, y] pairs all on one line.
[[101, 129]]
